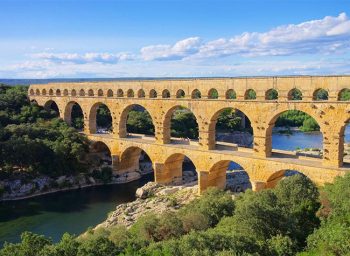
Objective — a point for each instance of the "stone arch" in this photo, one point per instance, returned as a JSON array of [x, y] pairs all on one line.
[[344, 94], [130, 93], [52, 105], [180, 94], [120, 93], [153, 93], [295, 94], [100, 92], [130, 159], [122, 129], [141, 93], [37, 92], [196, 94], [167, 122], [65, 92], [341, 144], [71, 112], [320, 94], [93, 126], [58, 92], [230, 94], [276, 177], [43, 92], [250, 94], [50, 92], [90, 92], [81, 92], [102, 155], [73, 93], [31, 92], [213, 94], [271, 94], [165, 94], [110, 93]]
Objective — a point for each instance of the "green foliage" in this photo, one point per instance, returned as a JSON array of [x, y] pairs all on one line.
[[229, 121], [310, 125], [344, 95], [250, 95], [272, 94], [321, 94], [296, 118], [103, 117], [140, 122], [184, 124], [296, 95]]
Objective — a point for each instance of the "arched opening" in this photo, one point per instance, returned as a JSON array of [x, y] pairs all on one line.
[[295, 94], [178, 170], [37, 92], [344, 95], [344, 143], [120, 93], [296, 131], [58, 92], [196, 94], [130, 93], [273, 180], [50, 92], [136, 122], [43, 92], [153, 93], [228, 175], [100, 92], [73, 93], [141, 93], [213, 94], [134, 163], [90, 92], [31, 92], [165, 94], [52, 107], [74, 115], [250, 94], [65, 92], [320, 94], [109, 93], [231, 129], [180, 126], [271, 94], [180, 94], [231, 94], [100, 119], [81, 92]]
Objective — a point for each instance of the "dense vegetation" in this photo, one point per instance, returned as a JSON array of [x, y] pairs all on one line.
[[33, 140], [295, 118], [287, 220]]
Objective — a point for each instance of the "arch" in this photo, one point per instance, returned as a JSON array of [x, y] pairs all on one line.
[[50, 92], [250, 94], [31, 91], [131, 161], [344, 94], [120, 93], [110, 93], [100, 92], [165, 94], [344, 144], [230, 94], [99, 156], [73, 93], [295, 94], [65, 92], [145, 119], [141, 93], [130, 93], [213, 94], [58, 92], [230, 121], [90, 92], [174, 170], [100, 118], [52, 106], [74, 116], [43, 92], [81, 92], [196, 94], [153, 93], [320, 94], [187, 132], [180, 94], [271, 94], [37, 92], [276, 177]]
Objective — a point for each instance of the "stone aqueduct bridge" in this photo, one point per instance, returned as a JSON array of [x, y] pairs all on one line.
[[161, 97]]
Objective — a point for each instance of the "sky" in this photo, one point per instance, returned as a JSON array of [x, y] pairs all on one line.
[[173, 38]]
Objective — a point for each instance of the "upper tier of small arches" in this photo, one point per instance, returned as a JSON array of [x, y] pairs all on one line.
[[272, 94]]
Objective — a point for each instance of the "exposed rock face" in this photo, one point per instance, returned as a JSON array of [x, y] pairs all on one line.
[[152, 197]]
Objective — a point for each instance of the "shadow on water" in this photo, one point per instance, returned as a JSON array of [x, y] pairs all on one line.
[[69, 211]]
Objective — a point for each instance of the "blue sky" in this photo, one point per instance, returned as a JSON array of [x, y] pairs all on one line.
[[106, 38]]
